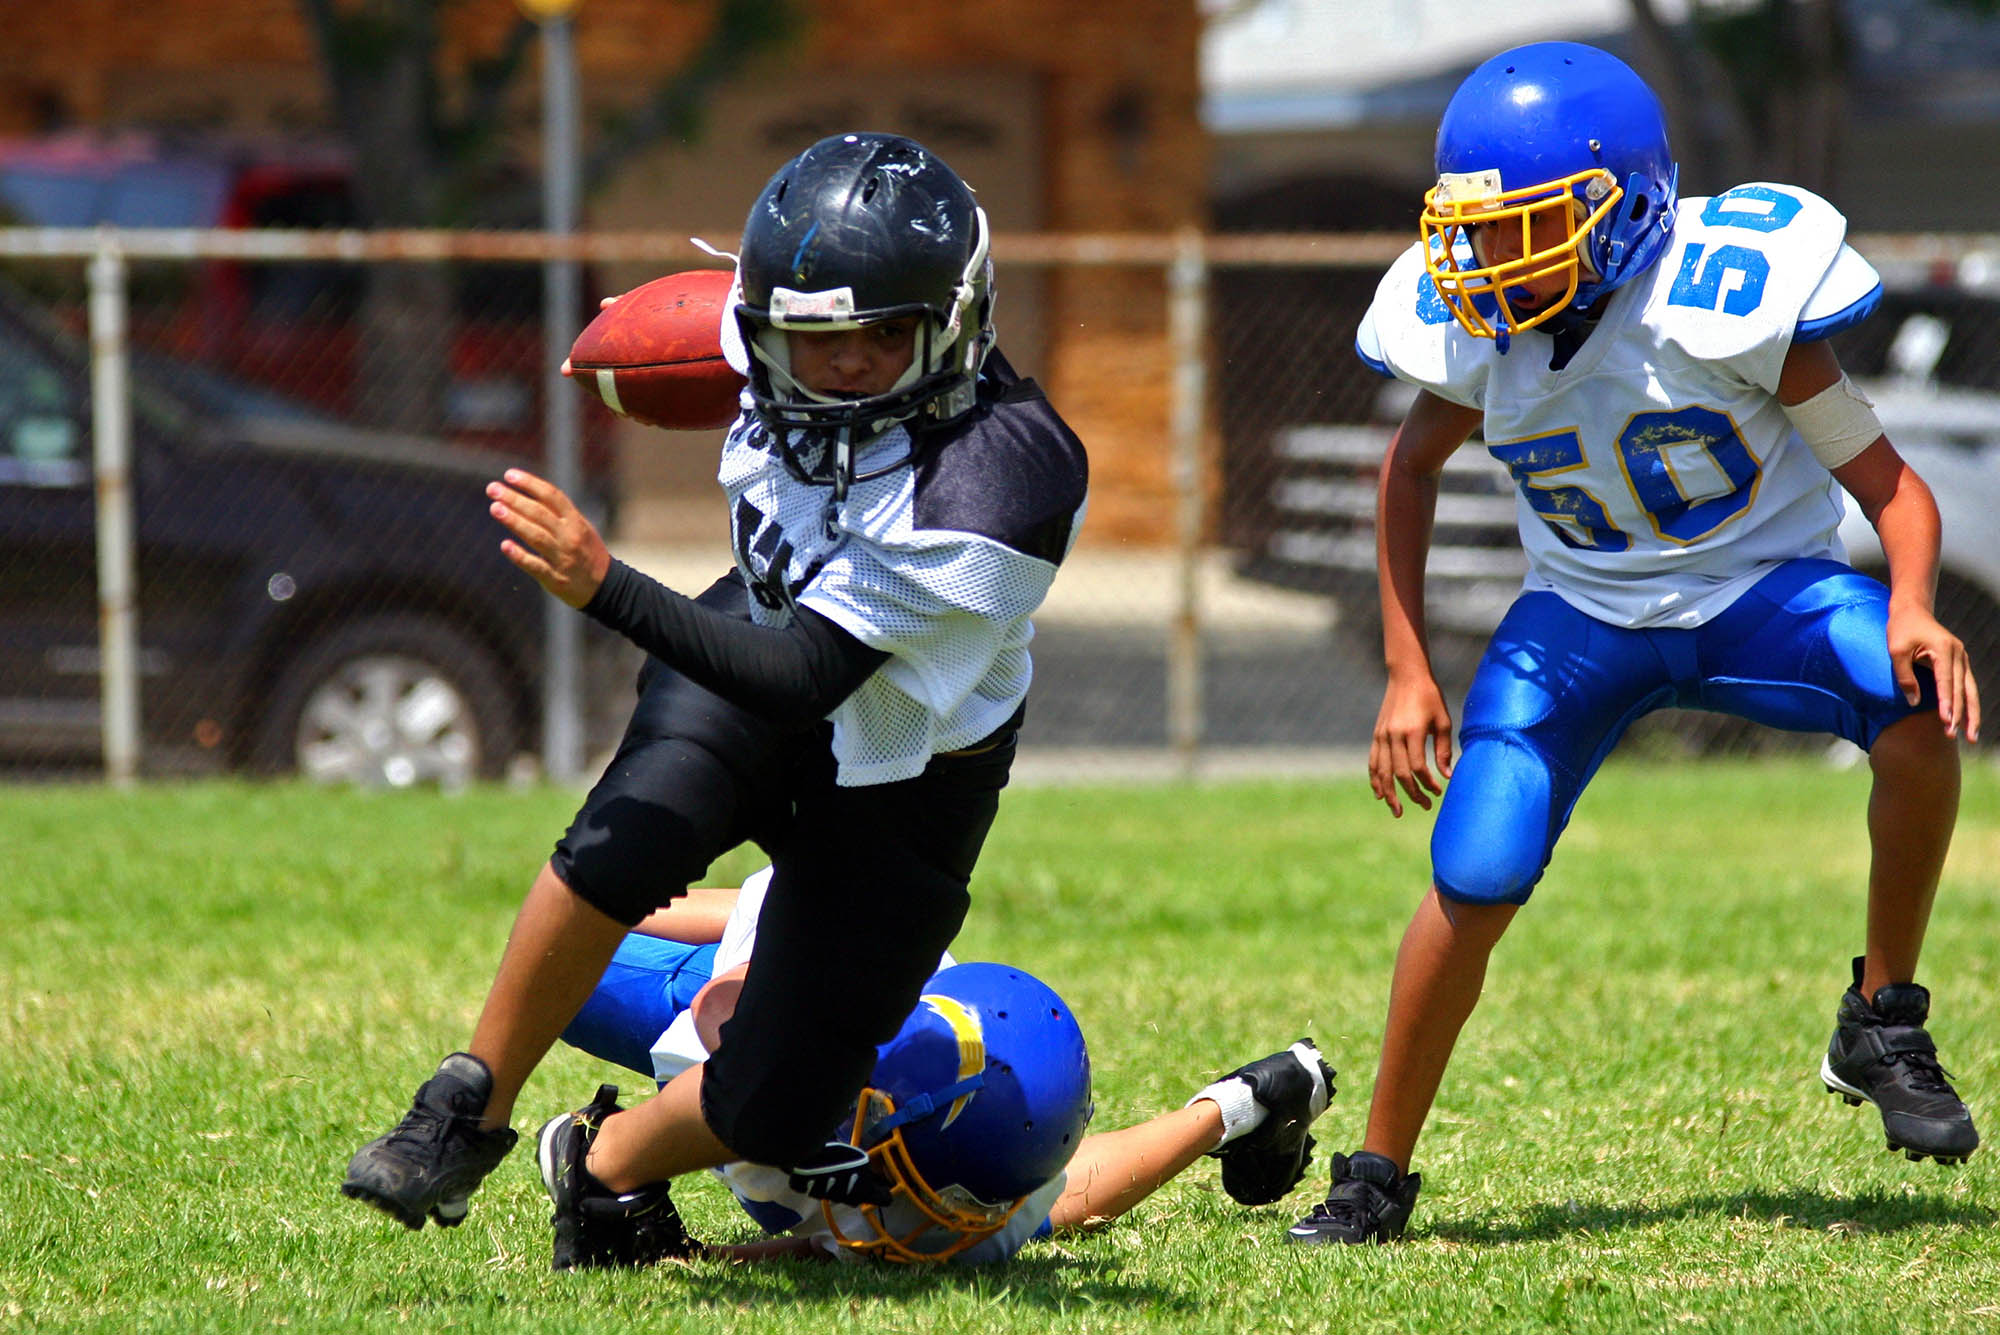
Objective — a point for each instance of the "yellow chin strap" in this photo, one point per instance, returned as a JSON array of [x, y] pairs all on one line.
[[1463, 201]]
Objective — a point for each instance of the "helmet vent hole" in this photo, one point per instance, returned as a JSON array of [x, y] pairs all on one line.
[[779, 198], [1000, 1014], [868, 190], [1638, 209]]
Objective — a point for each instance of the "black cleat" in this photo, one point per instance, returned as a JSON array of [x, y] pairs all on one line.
[[1370, 1202], [597, 1227], [1293, 1087], [437, 1156], [1881, 1054]]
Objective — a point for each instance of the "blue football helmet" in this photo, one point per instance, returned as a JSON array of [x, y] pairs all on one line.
[[979, 1099], [1568, 144]]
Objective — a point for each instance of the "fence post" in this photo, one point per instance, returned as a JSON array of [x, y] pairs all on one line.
[[1187, 322], [562, 407], [111, 436]]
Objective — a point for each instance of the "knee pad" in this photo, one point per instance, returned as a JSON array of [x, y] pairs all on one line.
[[1496, 826], [660, 815]]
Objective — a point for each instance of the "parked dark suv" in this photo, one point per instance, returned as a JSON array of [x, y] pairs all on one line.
[[311, 596]]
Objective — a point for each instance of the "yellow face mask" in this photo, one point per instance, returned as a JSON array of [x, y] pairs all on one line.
[[1546, 225], [952, 1209], [879, 1130]]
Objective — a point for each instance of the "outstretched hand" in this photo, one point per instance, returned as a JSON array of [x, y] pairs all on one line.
[[552, 540]]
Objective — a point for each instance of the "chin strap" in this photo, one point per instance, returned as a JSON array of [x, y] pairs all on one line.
[[843, 461], [922, 1106]]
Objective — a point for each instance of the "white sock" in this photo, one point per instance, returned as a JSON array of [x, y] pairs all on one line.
[[1241, 1113]]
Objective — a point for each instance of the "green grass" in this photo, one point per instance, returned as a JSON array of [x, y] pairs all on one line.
[[209, 995]]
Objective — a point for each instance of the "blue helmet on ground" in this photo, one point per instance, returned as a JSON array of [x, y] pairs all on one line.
[[1568, 144], [979, 1100]]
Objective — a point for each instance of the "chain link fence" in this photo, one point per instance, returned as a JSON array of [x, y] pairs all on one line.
[[242, 526]]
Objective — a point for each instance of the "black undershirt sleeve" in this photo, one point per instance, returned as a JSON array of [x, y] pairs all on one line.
[[791, 675]]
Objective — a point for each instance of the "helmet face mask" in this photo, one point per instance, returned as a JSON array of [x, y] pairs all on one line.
[[977, 1102], [1569, 144], [1553, 229], [857, 230], [951, 1208]]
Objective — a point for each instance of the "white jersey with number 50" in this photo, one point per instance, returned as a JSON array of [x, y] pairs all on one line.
[[1657, 477]]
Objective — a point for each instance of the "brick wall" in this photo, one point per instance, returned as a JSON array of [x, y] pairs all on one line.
[[1121, 146]]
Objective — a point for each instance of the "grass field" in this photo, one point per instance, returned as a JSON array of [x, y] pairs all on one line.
[[210, 995]]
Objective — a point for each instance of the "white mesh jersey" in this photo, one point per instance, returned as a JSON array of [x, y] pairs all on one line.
[[939, 564], [1656, 475], [764, 1193]]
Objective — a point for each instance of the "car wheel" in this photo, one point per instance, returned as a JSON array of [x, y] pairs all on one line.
[[390, 702]]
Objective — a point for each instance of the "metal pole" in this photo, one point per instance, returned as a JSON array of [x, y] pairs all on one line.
[[1187, 319], [562, 408], [111, 436]]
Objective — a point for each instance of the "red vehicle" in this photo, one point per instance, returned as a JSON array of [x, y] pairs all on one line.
[[298, 327]]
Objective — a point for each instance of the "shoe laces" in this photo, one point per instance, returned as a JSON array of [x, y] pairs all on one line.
[[424, 1126], [1348, 1205], [1922, 1071]]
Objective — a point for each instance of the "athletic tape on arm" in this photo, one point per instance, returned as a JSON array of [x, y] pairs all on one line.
[[1838, 422]]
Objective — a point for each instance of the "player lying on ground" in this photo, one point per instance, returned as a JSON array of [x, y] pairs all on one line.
[[971, 1130], [1655, 375], [848, 698]]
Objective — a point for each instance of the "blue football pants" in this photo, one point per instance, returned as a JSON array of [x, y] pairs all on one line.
[[1804, 649], [648, 983]]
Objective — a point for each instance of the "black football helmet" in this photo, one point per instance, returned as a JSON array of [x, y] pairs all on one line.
[[857, 229]]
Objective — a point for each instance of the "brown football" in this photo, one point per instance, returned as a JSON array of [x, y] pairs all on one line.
[[655, 354]]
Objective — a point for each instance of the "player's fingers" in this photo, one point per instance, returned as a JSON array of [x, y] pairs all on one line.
[[1416, 792], [1384, 786], [1441, 741], [1971, 704], [1430, 780], [1905, 668], [523, 526], [1944, 673], [554, 519], [1379, 781], [1415, 774], [536, 568], [1956, 691], [540, 488]]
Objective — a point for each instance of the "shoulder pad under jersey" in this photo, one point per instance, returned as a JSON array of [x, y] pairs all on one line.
[[1750, 271], [1411, 334]]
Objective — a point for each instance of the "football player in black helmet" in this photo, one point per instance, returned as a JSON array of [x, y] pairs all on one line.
[[863, 232], [847, 697]]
